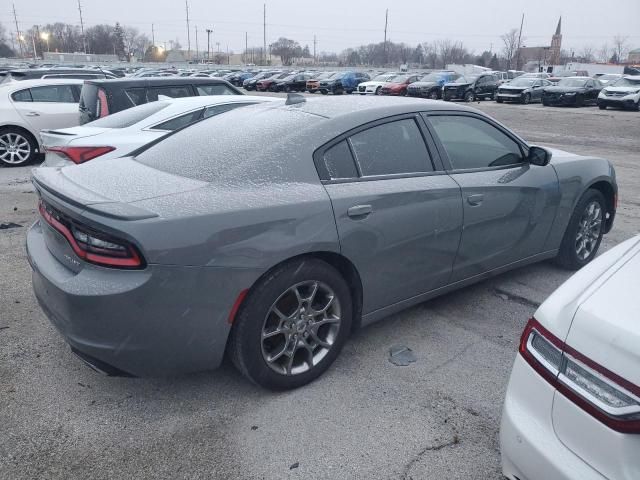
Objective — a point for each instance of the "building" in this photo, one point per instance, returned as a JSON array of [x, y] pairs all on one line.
[[556, 45], [77, 57], [634, 56]]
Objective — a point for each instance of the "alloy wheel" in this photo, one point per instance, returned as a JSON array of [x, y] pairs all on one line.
[[589, 229], [14, 149], [300, 328]]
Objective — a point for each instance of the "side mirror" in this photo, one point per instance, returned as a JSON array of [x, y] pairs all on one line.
[[539, 156]]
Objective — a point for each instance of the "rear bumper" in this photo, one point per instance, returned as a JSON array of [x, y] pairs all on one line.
[[159, 321], [529, 447]]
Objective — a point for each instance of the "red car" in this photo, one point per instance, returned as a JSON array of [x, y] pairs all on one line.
[[399, 85], [268, 84]]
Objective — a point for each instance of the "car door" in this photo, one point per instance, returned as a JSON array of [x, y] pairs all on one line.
[[509, 204], [536, 90], [399, 216], [480, 86], [48, 106], [592, 91]]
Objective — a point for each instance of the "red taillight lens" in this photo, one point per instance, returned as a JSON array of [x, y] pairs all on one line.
[[93, 247], [103, 104], [81, 154], [603, 394]]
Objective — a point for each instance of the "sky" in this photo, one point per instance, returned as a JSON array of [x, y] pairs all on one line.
[[338, 24]]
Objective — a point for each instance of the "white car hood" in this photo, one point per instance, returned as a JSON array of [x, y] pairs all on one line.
[[372, 84], [606, 327], [628, 90]]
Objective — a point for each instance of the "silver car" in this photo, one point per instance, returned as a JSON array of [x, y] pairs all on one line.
[[271, 232]]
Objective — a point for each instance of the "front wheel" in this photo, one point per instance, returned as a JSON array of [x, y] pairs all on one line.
[[434, 95], [602, 106], [378, 91], [584, 232], [469, 97], [526, 99], [292, 325]]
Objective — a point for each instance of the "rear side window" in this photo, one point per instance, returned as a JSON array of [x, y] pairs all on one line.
[[89, 99], [137, 96], [474, 143], [53, 93], [339, 161], [215, 89], [218, 109], [21, 96], [391, 148], [130, 116], [179, 122], [168, 91]]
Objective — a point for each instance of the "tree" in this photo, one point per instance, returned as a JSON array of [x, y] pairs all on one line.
[[494, 64], [5, 50], [286, 49], [587, 54], [430, 54], [620, 47], [604, 53], [118, 41], [510, 49], [418, 55], [305, 52]]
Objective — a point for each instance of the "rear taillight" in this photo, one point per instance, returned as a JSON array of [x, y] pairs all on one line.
[[606, 396], [103, 104], [91, 246], [80, 154]]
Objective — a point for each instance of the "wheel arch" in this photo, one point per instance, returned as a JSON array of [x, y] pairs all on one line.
[[610, 194], [23, 129]]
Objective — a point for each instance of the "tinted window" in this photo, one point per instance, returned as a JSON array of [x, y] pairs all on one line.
[[218, 109], [137, 96], [22, 96], [339, 161], [53, 93], [88, 99], [219, 89], [129, 117], [474, 143], [179, 122], [168, 91], [395, 147]]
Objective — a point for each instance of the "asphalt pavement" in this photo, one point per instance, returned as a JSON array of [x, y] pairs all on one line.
[[366, 418]]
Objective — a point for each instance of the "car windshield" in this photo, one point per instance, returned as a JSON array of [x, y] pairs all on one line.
[[325, 75], [385, 77], [431, 77], [522, 82], [400, 78], [610, 76], [572, 82], [290, 77], [338, 75], [129, 117], [466, 79], [627, 82]]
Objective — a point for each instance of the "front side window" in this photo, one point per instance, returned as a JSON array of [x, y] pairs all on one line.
[[474, 143], [53, 93], [391, 148], [215, 89]]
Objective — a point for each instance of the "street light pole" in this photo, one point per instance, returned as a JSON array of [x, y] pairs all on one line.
[[209, 32]]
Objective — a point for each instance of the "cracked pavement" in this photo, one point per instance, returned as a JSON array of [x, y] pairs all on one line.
[[364, 419]]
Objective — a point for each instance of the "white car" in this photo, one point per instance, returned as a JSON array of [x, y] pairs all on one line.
[[372, 87], [119, 134], [623, 93], [572, 408], [28, 106]]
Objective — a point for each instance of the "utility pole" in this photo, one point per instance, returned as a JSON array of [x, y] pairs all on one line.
[[386, 21], [209, 32], [19, 35], [315, 43], [228, 58], [84, 40], [264, 32], [246, 46], [197, 49], [186, 3], [519, 38]]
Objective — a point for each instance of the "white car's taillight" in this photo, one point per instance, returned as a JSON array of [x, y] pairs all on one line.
[[606, 396]]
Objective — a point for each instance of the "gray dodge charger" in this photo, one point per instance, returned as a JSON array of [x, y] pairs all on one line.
[[271, 232]]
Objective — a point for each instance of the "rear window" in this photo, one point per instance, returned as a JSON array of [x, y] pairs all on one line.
[[137, 96], [129, 117], [22, 96], [215, 89], [89, 99], [179, 122], [168, 91]]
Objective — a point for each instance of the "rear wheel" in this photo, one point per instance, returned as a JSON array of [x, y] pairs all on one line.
[[584, 232], [292, 325], [17, 147]]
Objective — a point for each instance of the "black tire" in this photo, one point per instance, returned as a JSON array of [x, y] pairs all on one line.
[[469, 97], [637, 106], [526, 99], [579, 101], [245, 347], [602, 106], [567, 256], [499, 100], [545, 103], [377, 92], [434, 95], [22, 140], [324, 92]]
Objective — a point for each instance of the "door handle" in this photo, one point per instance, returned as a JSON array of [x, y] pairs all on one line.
[[32, 114], [359, 211], [475, 200]]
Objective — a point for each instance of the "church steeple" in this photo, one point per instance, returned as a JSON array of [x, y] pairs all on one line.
[[559, 27], [556, 44]]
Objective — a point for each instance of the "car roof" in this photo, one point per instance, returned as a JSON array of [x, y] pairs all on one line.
[[39, 82], [151, 81]]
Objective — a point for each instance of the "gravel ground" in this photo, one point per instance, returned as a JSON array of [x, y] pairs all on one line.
[[365, 419]]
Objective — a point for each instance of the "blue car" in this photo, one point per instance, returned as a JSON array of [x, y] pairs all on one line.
[[430, 86], [343, 82]]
